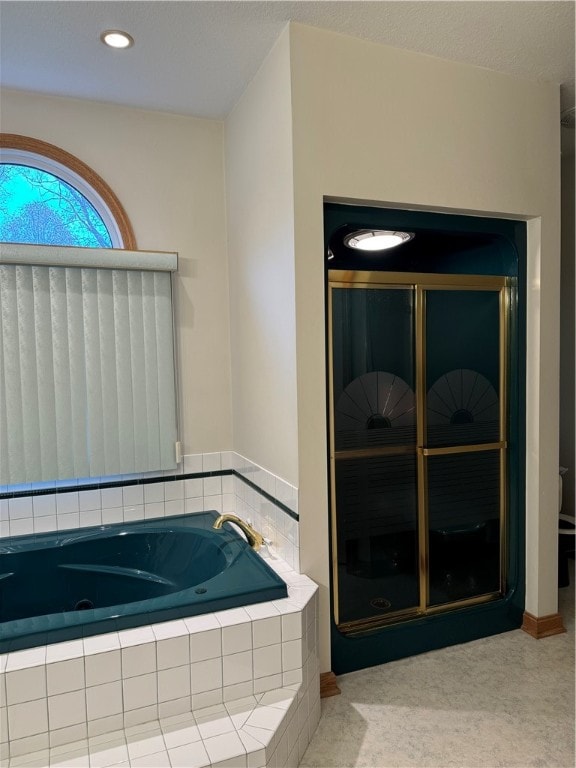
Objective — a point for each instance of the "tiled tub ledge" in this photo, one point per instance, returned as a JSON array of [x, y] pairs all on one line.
[[234, 688]]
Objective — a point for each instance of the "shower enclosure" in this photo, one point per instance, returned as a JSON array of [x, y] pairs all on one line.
[[418, 443], [426, 365]]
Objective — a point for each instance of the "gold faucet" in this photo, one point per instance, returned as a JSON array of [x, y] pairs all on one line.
[[255, 539]]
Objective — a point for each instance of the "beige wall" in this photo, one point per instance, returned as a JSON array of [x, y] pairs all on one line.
[[168, 173], [568, 320], [260, 223], [373, 123]]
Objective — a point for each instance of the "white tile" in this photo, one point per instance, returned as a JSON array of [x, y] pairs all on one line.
[[104, 700], [280, 698], [132, 495], [38, 759], [140, 716], [111, 497], [22, 527], [211, 462], [105, 725], [44, 505], [73, 649], [206, 699], [238, 691], [263, 684], [157, 760], [137, 636], [146, 743], [29, 744], [189, 756], [134, 513], [256, 756], [179, 731], [153, 493], [45, 524], [138, 660], [31, 657], [201, 623], [100, 643], [110, 753], [232, 616], [266, 632], [65, 676], [291, 655], [89, 501], [205, 645], [214, 721], [140, 691], [174, 707], [20, 507], [173, 683], [236, 638], [90, 518], [153, 510], [174, 490], [168, 629], [77, 758], [267, 661], [28, 719], [63, 737], [66, 709], [292, 677], [67, 502], [262, 610], [25, 685], [191, 506], [291, 626], [68, 521], [193, 487], [211, 486], [174, 507], [237, 668], [224, 747], [268, 718], [112, 516], [262, 735], [103, 668], [206, 675]]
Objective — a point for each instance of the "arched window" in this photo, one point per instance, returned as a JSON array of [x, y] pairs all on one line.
[[50, 197]]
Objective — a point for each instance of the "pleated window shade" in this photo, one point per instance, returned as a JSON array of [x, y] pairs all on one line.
[[87, 385]]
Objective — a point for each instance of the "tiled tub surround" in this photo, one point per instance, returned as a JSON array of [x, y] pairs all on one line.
[[235, 688], [222, 481]]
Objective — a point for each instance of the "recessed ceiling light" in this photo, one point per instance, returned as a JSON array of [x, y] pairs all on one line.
[[117, 39], [376, 239]]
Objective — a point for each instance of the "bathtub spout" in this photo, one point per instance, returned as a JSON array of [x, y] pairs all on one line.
[[255, 539]]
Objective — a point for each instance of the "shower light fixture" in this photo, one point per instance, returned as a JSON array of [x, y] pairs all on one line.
[[117, 39], [376, 239]]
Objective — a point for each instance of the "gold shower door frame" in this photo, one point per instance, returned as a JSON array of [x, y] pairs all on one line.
[[420, 284]]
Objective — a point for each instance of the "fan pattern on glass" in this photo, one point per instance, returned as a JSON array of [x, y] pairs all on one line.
[[375, 400], [462, 396]]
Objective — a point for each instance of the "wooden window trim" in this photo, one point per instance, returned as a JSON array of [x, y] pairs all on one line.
[[52, 152]]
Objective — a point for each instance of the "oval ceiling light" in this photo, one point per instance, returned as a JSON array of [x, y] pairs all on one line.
[[376, 239], [115, 38]]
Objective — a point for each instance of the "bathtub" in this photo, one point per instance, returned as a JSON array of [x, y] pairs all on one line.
[[63, 586]]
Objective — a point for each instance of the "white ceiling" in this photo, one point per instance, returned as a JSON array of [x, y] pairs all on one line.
[[195, 57]]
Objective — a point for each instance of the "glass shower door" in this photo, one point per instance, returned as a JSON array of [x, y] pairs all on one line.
[[417, 444], [464, 448], [374, 477]]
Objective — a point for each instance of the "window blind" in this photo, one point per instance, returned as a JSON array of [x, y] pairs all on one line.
[[87, 385]]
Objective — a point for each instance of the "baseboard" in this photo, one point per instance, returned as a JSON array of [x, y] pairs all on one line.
[[543, 626], [328, 686]]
